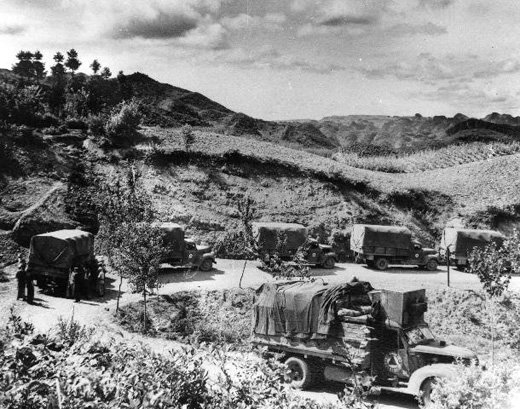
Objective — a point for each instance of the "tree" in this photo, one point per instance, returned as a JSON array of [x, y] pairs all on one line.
[[188, 137], [95, 66], [72, 63], [38, 66], [126, 237], [57, 94], [106, 73], [24, 67]]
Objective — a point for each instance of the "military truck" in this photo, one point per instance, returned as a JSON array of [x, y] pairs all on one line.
[[268, 235], [380, 246], [328, 332], [52, 255], [461, 242], [184, 252]]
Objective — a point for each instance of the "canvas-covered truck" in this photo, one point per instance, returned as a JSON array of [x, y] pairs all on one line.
[[52, 256], [184, 252], [328, 332], [461, 242], [380, 246], [295, 236]]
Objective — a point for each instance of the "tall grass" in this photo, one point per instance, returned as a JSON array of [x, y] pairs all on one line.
[[429, 159]]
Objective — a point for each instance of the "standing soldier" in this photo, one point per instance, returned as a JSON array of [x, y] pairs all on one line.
[[30, 287], [21, 277], [77, 286]]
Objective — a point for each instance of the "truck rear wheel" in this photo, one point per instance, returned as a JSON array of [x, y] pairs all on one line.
[[206, 265], [431, 265], [329, 263], [381, 264], [298, 373]]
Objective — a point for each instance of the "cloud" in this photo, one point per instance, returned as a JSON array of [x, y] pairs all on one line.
[[271, 22], [161, 25], [12, 29], [436, 4], [341, 12], [430, 69], [269, 58], [404, 29]]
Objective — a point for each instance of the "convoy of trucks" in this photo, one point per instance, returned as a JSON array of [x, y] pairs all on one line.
[[328, 331], [459, 243], [285, 239], [380, 246]]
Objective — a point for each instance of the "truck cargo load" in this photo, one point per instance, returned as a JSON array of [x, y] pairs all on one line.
[[300, 309], [61, 249], [267, 234], [174, 235], [462, 241], [377, 239]]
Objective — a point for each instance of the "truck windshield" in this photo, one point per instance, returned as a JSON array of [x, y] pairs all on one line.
[[418, 335]]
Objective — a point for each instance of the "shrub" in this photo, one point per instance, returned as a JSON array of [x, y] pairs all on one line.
[[477, 388], [96, 125], [75, 123], [123, 121]]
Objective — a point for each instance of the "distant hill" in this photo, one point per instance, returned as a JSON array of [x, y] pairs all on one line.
[[416, 132]]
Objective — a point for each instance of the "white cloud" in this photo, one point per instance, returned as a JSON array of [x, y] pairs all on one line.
[[271, 22]]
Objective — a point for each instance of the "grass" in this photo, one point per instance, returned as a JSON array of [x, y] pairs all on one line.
[[218, 317], [429, 159]]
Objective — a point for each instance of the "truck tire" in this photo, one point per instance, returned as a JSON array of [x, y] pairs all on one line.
[[426, 391], [329, 263], [298, 373], [381, 264], [432, 265], [206, 265]]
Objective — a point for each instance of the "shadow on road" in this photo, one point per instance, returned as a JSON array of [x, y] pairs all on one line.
[[182, 275], [404, 270]]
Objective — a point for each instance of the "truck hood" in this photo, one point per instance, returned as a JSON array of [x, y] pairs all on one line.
[[203, 249], [326, 248], [428, 250], [438, 348]]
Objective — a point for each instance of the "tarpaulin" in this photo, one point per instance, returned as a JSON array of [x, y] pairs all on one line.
[[366, 235], [60, 249], [267, 234], [462, 241], [300, 309]]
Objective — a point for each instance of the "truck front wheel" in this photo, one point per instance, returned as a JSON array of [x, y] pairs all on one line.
[[329, 263], [381, 264], [426, 392], [298, 373], [431, 265], [206, 265]]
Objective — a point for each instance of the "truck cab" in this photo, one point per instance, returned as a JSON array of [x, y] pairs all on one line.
[[319, 254]]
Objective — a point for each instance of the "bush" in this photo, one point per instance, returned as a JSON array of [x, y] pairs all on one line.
[[477, 388], [96, 125], [123, 121], [75, 123]]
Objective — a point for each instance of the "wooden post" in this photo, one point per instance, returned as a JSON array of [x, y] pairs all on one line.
[[448, 263]]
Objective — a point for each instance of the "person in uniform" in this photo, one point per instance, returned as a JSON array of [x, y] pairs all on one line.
[[21, 278], [77, 283], [30, 287]]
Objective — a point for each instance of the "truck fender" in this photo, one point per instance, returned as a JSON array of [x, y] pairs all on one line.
[[210, 255], [429, 371], [331, 254]]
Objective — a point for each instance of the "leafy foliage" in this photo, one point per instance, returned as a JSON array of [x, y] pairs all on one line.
[[477, 388], [123, 121]]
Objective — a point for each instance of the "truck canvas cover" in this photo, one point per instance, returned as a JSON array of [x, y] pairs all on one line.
[[60, 249], [300, 309], [174, 235], [462, 241], [367, 238], [266, 234]]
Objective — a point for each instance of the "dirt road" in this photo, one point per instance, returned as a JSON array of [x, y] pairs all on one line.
[[97, 312]]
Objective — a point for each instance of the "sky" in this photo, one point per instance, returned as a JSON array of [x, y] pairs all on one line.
[[292, 59]]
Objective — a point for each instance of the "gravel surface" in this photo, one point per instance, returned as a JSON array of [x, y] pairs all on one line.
[[98, 312]]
